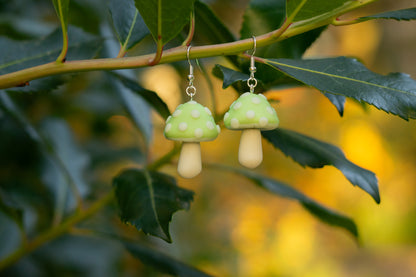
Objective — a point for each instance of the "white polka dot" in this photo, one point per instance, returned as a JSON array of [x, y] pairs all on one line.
[[237, 105], [226, 116], [192, 102], [218, 129], [169, 117], [195, 114], [270, 110], [263, 121], [234, 123], [255, 100], [245, 94], [198, 133], [262, 95], [210, 125], [208, 111], [250, 114], [183, 126], [168, 127], [176, 113]]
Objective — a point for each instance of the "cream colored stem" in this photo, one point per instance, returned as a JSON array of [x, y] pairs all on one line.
[[189, 164], [250, 153]]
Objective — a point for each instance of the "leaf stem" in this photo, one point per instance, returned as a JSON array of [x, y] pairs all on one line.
[[123, 49], [164, 159], [287, 30], [190, 36], [55, 232]]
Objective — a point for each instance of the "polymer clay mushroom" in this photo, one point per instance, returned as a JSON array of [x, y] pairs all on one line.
[[191, 123], [251, 113]]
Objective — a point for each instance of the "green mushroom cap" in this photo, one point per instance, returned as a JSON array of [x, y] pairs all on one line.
[[191, 122], [251, 111]]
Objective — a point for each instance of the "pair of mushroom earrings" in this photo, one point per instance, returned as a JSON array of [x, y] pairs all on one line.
[[192, 123]]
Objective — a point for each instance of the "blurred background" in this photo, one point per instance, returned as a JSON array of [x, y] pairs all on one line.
[[235, 228]]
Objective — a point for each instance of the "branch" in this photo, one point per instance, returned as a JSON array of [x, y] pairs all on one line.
[[172, 55], [55, 232]]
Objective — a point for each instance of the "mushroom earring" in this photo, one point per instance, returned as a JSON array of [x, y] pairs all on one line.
[[191, 123], [251, 113]]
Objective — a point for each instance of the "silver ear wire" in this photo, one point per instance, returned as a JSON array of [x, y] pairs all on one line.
[[252, 82], [190, 90]]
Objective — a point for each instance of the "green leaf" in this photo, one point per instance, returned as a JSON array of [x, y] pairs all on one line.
[[162, 262], [62, 9], [315, 8], [149, 96], [127, 22], [148, 199], [16, 55], [230, 76], [310, 152], [337, 100], [165, 18], [405, 14], [67, 165], [265, 16], [394, 93], [209, 26], [325, 214]]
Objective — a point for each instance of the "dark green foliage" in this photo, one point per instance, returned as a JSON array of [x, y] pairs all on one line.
[[162, 262], [394, 93], [310, 152], [148, 199]]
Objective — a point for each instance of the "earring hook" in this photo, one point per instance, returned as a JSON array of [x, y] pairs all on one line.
[[190, 90], [254, 45], [252, 82]]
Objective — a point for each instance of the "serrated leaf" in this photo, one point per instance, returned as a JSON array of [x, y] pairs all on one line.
[[148, 199], [394, 93], [337, 100], [325, 214], [149, 96], [404, 14], [262, 17], [229, 76], [162, 262], [311, 152], [66, 166], [165, 18], [62, 9], [127, 22], [315, 8]]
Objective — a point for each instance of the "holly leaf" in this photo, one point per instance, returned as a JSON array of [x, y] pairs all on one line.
[[394, 93], [165, 18], [148, 199], [127, 22], [311, 152], [325, 214], [162, 262], [404, 14]]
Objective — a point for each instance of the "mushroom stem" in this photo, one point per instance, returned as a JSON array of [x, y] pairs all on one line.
[[250, 153], [189, 164]]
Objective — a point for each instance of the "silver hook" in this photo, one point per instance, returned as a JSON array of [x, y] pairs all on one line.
[[191, 68], [254, 46], [252, 82], [190, 90]]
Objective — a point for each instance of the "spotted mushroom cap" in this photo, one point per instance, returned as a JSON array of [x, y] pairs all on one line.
[[191, 122], [251, 111]]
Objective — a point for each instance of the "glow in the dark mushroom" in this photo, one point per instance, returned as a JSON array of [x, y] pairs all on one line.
[[191, 123], [251, 113]]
